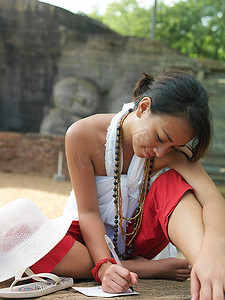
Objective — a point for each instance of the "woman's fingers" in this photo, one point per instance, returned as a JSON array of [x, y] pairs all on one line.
[[118, 279], [195, 286], [117, 285], [183, 274], [206, 292], [134, 278], [212, 291], [218, 291], [205, 287]]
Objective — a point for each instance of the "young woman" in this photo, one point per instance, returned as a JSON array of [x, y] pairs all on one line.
[[136, 179]]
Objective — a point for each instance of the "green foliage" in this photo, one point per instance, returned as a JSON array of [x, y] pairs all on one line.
[[126, 17], [194, 27]]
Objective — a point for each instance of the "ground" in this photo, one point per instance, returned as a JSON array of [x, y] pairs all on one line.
[[50, 196]]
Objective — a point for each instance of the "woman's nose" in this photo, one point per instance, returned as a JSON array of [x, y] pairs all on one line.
[[160, 152]]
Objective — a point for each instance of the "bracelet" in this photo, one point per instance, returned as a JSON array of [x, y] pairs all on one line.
[[94, 271]]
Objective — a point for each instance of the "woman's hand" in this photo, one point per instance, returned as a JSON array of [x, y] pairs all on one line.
[[208, 272], [117, 279]]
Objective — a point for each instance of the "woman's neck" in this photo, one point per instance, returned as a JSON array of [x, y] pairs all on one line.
[[128, 151]]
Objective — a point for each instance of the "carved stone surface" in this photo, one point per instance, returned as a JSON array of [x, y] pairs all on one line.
[[57, 122], [74, 98], [57, 67], [31, 37]]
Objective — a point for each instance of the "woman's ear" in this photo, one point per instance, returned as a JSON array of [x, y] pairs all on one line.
[[143, 106]]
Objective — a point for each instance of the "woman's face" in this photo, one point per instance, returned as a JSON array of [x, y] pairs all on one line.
[[156, 135]]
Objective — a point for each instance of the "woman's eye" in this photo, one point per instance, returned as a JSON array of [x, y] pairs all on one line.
[[175, 148], [158, 138]]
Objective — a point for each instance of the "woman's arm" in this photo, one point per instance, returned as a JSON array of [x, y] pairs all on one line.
[[208, 274], [80, 144]]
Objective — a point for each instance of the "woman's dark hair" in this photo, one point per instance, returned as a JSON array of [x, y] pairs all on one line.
[[177, 93]]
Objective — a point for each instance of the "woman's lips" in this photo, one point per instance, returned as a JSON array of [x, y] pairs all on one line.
[[147, 154]]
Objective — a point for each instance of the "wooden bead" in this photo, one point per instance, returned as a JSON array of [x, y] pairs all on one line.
[[137, 218]]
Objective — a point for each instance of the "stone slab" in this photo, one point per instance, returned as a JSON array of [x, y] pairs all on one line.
[[147, 289]]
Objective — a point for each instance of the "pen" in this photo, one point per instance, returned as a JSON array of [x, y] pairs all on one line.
[[112, 250]]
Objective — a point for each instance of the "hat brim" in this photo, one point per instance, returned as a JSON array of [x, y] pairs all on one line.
[[35, 247]]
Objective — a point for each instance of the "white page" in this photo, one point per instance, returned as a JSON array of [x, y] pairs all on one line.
[[96, 291]]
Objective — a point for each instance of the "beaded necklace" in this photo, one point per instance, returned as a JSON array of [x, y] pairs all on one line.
[[129, 237]]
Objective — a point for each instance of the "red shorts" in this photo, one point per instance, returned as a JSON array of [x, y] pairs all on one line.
[[152, 237]]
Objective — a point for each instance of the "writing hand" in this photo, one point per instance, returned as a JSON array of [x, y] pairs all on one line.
[[117, 279]]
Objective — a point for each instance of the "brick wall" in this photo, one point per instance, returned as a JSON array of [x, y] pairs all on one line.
[[31, 153]]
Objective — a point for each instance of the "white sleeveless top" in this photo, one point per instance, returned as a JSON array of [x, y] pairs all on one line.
[[130, 183]]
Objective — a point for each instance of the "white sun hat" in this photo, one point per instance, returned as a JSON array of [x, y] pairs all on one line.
[[27, 235]]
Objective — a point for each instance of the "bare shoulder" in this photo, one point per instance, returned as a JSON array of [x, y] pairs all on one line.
[[88, 132], [87, 126]]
